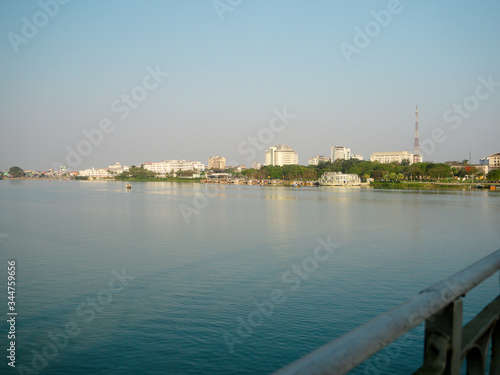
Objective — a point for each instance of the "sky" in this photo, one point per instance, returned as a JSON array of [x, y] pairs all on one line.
[[90, 83]]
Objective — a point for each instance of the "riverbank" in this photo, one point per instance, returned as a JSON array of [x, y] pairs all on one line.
[[429, 185]]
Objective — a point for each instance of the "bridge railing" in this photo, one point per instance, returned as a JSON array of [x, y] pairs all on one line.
[[446, 345]]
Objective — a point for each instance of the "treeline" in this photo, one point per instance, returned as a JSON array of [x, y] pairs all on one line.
[[365, 169]]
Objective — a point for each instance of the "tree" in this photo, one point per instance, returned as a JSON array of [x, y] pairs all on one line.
[[494, 175], [354, 170], [16, 172]]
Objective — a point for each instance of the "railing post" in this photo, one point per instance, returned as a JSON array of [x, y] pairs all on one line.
[[495, 350], [446, 324]]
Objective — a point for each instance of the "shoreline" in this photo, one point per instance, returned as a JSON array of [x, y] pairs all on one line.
[[425, 185]]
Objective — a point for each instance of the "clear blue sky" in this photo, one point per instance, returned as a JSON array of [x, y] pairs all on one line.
[[227, 76]]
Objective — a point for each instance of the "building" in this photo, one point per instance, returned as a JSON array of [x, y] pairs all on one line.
[[117, 168], [217, 162], [168, 166], [95, 173], [111, 171], [256, 165], [340, 152], [494, 161], [358, 157], [339, 179], [417, 158], [281, 155], [391, 157], [315, 160]]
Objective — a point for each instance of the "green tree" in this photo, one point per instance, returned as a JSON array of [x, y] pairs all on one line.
[[16, 172], [494, 175], [354, 170]]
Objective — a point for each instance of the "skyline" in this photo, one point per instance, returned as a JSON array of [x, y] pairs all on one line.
[[351, 74]]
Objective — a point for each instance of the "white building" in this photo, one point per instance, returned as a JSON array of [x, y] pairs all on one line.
[[164, 167], [111, 171], [315, 160], [357, 156], [340, 152], [95, 173], [217, 162], [256, 165], [494, 161], [281, 155], [117, 168], [391, 157]]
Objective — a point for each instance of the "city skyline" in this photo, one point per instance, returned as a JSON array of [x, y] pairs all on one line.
[[187, 81]]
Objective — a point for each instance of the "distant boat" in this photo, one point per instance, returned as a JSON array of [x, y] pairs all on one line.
[[128, 186]]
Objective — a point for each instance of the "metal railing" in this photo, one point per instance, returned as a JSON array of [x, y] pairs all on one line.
[[447, 344]]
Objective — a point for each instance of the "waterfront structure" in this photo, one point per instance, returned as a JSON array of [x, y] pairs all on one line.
[[95, 173], [217, 162], [494, 161], [117, 168], [417, 158], [339, 179], [340, 152], [281, 155], [392, 156], [256, 165], [315, 160], [358, 157], [168, 166], [111, 171]]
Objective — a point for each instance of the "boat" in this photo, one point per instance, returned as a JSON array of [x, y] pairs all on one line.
[[339, 179], [128, 186]]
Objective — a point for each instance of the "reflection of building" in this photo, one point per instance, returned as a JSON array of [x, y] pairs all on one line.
[[391, 157], [339, 179], [340, 152], [164, 167], [494, 161], [217, 162], [281, 155], [315, 160]]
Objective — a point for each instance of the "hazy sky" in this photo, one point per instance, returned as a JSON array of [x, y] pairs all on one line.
[[184, 80]]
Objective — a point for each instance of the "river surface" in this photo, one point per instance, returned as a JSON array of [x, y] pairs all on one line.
[[171, 278]]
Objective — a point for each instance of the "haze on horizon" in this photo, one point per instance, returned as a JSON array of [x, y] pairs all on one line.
[[218, 76]]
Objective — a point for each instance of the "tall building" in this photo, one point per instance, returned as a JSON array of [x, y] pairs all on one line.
[[391, 157], [340, 152], [315, 160], [281, 155], [217, 162]]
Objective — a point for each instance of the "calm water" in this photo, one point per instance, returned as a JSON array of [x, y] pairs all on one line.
[[194, 261]]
